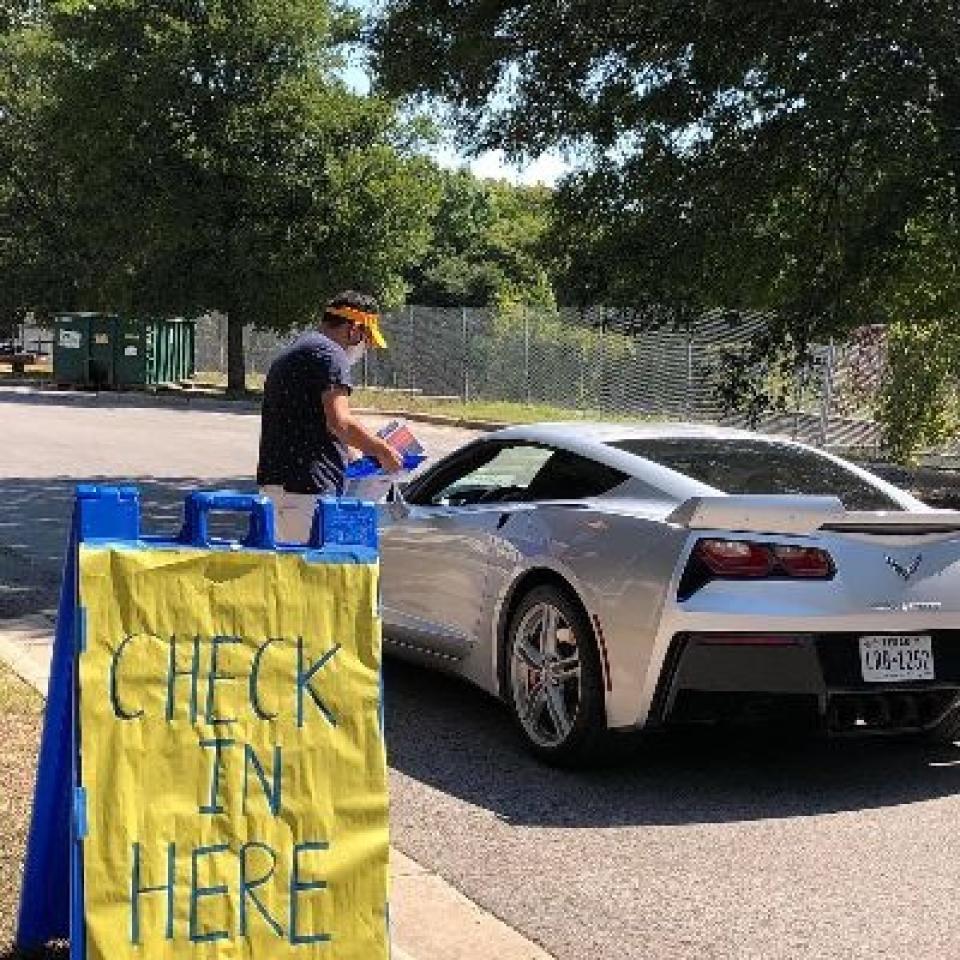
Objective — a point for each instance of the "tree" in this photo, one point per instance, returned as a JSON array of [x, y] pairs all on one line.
[[35, 254], [918, 399], [728, 154], [215, 160], [486, 243]]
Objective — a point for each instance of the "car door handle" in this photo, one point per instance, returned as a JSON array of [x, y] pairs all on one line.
[[501, 522]]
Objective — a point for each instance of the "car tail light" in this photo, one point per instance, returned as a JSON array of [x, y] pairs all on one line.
[[807, 562], [736, 558], [721, 559]]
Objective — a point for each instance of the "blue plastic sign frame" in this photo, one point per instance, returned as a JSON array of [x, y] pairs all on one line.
[[52, 902]]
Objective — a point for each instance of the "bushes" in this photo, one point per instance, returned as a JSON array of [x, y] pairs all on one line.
[[919, 401]]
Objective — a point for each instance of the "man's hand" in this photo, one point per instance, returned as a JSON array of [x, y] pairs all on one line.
[[336, 409], [389, 458]]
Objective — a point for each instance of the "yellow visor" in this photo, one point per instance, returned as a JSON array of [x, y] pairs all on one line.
[[369, 321]]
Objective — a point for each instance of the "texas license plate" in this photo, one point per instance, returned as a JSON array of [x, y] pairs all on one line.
[[892, 658]]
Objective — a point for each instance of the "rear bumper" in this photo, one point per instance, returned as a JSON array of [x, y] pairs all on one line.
[[807, 678]]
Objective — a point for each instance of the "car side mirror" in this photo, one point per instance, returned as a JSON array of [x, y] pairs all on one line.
[[396, 502]]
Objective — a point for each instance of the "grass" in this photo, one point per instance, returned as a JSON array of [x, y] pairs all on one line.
[[502, 411], [16, 696], [21, 710]]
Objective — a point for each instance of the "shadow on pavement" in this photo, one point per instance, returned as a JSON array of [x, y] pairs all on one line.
[[35, 518], [450, 736], [446, 734]]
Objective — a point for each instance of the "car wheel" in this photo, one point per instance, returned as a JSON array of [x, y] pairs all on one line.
[[554, 681]]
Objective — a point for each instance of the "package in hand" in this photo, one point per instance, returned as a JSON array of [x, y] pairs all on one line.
[[365, 479], [399, 435]]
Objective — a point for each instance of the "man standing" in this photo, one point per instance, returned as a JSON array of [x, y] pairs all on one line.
[[306, 423]]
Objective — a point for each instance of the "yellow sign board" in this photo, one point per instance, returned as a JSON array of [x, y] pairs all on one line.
[[232, 756]]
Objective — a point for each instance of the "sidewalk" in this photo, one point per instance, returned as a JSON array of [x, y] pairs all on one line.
[[429, 919]]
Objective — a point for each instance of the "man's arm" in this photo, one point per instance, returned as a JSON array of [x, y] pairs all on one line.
[[336, 408]]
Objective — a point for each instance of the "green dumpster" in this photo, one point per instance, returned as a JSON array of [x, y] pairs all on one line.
[[161, 364], [83, 349], [130, 353], [103, 331], [171, 351], [71, 337], [103, 350]]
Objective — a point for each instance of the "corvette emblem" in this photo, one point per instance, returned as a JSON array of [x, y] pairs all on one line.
[[905, 571]]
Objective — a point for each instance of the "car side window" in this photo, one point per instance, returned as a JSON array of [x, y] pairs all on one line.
[[423, 489], [503, 477], [517, 473]]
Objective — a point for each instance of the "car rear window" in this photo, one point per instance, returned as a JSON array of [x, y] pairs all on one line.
[[755, 466]]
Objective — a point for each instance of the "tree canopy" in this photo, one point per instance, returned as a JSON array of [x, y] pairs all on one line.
[[801, 158], [176, 157], [486, 246]]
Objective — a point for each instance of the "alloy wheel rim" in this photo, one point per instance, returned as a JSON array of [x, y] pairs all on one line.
[[545, 675]]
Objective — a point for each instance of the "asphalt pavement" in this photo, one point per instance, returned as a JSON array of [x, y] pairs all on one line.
[[692, 848], [51, 441]]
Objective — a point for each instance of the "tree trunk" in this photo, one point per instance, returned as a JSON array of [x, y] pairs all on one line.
[[236, 362]]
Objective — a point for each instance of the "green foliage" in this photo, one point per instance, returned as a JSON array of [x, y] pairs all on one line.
[[769, 377], [920, 403], [197, 156], [485, 246], [743, 156], [920, 400], [34, 254]]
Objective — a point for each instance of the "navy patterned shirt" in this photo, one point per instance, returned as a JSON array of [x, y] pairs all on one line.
[[297, 450]]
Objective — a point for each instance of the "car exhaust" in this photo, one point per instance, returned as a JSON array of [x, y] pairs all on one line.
[[886, 712]]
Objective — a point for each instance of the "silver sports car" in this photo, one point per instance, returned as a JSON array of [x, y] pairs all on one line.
[[602, 578]]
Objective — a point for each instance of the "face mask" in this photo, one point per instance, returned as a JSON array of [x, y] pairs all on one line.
[[355, 353]]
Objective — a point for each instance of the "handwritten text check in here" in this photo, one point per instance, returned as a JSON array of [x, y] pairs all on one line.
[[233, 755]]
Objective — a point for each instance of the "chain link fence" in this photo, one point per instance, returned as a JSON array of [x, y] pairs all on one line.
[[572, 365]]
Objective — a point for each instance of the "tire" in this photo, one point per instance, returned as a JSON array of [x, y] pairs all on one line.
[[556, 699]]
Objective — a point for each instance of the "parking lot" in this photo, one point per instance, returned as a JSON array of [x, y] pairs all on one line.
[[693, 848]]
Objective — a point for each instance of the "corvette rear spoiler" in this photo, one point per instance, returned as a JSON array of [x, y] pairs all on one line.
[[749, 513]]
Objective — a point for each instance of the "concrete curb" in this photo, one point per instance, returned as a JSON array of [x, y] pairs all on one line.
[[25, 647], [429, 918], [434, 921]]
